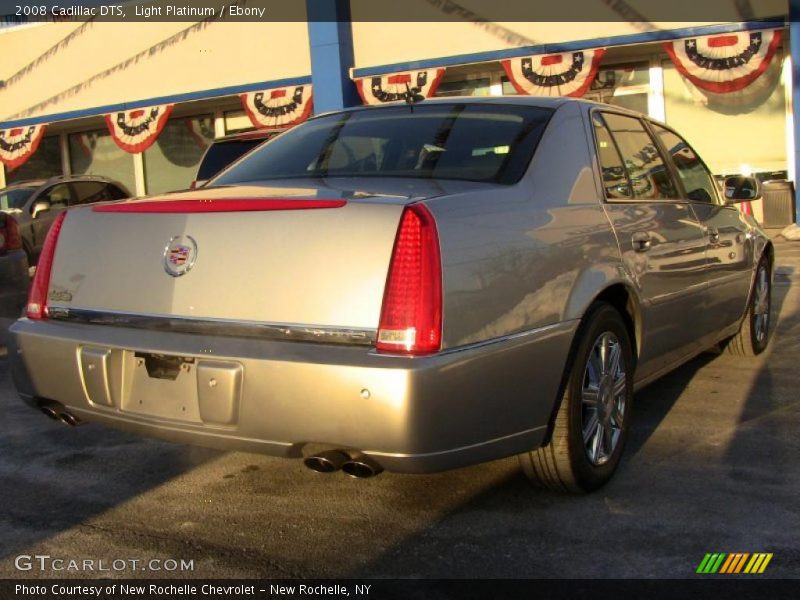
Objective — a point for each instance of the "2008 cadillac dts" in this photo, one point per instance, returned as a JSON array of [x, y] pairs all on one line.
[[411, 287]]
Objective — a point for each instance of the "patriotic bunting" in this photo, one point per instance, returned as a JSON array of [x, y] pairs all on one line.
[[565, 74], [396, 87], [727, 63], [18, 144], [136, 130], [279, 107]]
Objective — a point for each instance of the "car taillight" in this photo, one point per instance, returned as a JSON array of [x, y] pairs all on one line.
[[411, 315], [37, 297], [10, 238]]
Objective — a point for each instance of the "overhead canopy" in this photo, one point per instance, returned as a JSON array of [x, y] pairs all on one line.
[[137, 61]]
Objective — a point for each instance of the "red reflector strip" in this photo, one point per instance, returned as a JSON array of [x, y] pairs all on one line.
[[212, 206]]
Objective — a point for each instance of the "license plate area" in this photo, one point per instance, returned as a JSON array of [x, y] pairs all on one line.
[[163, 386]]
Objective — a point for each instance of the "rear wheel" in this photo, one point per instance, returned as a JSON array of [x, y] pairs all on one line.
[[753, 333], [591, 425]]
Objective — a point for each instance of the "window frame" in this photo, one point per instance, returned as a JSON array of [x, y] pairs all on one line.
[[667, 160]]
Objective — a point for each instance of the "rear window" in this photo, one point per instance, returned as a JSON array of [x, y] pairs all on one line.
[[471, 142], [15, 199], [221, 154]]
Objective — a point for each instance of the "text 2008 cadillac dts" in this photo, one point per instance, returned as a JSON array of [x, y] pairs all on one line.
[[410, 287]]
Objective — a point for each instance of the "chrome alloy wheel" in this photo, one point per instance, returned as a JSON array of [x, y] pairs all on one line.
[[603, 398], [761, 305]]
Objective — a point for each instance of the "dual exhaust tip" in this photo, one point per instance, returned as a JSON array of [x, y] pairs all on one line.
[[57, 412], [354, 464]]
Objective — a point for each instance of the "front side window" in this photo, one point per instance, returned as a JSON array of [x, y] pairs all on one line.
[[696, 179], [648, 174], [470, 142], [90, 191]]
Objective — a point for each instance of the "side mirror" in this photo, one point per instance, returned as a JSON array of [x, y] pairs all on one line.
[[740, 188], [40, 207]]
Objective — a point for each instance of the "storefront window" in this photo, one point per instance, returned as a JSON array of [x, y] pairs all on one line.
[[478, 86], [45, 163], [738, 132], [627, 86], [236, 121], [171, 162], [96, 153]]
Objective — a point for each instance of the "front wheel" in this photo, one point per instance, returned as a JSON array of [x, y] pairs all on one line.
[[753, 333], [591, 425]]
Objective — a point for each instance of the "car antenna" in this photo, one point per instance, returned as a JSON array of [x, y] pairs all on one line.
[[412, 97]]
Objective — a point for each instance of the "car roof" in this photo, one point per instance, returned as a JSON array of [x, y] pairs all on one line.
[[552, 102], [257, 134], [34, 183]]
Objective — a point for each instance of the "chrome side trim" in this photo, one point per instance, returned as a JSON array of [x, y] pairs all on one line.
[[561, 325], [458, 449], [219, 327]]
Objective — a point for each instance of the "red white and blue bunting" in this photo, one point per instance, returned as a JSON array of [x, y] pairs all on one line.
[[18, 144], [279, 107], [727, 63], [564, 74], [136, 130], [395, 87]]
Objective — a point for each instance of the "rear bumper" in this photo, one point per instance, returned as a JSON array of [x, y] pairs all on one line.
[[410, 414]]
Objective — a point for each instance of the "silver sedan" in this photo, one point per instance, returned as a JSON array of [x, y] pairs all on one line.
[[408, 287]]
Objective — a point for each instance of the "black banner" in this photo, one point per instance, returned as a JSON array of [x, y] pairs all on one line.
[[732, 587], [488, 11]]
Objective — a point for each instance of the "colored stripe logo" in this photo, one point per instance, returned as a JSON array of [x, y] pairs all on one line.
[[738, 562]]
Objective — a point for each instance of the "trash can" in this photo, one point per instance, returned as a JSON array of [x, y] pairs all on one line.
[[779, 204]]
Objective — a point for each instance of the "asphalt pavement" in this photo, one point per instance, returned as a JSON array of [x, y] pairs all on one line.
[[711, 466]]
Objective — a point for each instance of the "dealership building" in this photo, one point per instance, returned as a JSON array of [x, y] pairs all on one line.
[[140, 101]]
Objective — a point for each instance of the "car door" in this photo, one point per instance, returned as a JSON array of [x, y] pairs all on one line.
[[58, 198], [729, 247], [661, 241]]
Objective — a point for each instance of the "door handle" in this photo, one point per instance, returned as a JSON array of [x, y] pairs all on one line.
[[641, 241], [713, 235]]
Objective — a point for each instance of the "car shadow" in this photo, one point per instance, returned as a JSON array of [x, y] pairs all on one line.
[[54, 477], [684, 487]]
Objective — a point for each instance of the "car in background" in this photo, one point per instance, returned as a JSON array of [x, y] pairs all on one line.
[[410, 288], [225, 150], [36, 204], [14, 280]]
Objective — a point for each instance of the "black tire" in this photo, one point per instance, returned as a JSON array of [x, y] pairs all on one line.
[[753, 335], [566, 462]]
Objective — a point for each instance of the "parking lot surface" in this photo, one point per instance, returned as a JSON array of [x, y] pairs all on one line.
[[712, 466]]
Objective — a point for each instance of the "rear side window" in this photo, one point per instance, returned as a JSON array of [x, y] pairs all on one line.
[[221, 154], [649, 177], [90, 191], [471, 142], [116, 193], [615, 179], [696, 178]]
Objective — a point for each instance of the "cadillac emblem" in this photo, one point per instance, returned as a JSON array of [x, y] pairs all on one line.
[[180, 255]]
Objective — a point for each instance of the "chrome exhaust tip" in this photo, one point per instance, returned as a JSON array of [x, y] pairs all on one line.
[[70, 419], [361, 467], [326, 462], [51, 411]]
